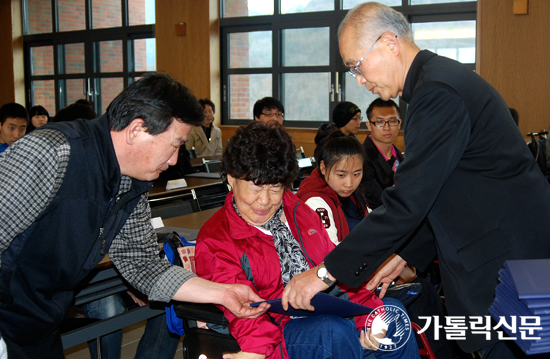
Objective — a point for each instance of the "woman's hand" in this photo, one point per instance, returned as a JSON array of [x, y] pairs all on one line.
[[369, 341], [243, 355]]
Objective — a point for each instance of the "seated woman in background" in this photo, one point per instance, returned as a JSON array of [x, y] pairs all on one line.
[[39, 116], [262, 237], [206, 139], [334, 192], [346, 118]]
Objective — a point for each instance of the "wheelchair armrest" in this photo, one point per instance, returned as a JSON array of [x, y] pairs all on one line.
[[208, 313]]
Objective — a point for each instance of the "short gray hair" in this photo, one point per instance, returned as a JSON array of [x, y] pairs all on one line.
[[371, 19]]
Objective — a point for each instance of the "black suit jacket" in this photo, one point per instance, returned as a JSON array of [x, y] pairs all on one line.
[[468, 173], [377, 173]]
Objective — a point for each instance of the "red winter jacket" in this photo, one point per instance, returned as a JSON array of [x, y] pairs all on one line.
[[226, 244]]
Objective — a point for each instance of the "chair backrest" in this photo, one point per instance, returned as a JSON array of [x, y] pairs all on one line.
[[426, 351]]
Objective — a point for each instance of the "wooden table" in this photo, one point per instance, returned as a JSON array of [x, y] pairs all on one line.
[[200, 193], [159, 191], [192, 220]]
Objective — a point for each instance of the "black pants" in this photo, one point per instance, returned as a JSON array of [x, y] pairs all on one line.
[[50, 348], [429, 303]]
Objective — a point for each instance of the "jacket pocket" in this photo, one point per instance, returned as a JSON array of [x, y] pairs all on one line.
[[483, 249]]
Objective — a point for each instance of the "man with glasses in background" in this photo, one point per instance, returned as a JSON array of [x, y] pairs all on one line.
[[382, 157], [269, 109], [474, 210]]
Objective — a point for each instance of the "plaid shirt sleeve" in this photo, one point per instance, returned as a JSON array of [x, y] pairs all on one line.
[[135, 253], [31, 172]]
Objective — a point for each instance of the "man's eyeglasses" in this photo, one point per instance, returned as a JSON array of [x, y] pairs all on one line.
[[394, 122], [355, 71], [271, 114]]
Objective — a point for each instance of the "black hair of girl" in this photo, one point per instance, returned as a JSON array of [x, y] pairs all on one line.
[[37, 111], [336, 147]]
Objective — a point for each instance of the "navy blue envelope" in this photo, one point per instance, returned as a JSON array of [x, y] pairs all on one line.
[[324, 304]]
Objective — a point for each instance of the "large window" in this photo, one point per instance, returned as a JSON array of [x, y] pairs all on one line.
[[85, 49], [288, 49]]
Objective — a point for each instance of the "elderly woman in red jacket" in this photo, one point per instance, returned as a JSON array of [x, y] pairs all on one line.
[[263, 236]]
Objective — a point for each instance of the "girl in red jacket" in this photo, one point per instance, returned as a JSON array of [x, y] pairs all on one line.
[[334, 188]]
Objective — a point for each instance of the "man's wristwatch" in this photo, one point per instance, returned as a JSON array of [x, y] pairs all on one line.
[[322, 273]]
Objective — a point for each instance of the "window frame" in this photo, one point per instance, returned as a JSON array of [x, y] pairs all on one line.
[[89, 37], [277, 22]]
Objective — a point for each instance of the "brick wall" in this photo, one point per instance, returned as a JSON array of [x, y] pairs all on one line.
[[106, 13], [136, 13], [240, 103], [71, 15], [42, 95], [234, 8]]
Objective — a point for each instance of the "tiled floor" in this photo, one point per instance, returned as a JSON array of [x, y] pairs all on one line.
[[130, 340]]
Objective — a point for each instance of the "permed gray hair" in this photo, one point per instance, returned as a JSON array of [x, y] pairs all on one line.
[[371, 19]]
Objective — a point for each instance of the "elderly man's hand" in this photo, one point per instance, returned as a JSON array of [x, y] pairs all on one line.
[[301, 289], [237, 299], [386, 273]]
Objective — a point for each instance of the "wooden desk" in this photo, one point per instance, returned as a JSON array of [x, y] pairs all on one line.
[[159, 191], [200, 193], [192, 220]]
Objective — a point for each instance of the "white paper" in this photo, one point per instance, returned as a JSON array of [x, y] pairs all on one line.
[[157, 222], [178, 183]]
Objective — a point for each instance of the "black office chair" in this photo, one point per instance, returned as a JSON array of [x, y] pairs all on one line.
[[199, 341]]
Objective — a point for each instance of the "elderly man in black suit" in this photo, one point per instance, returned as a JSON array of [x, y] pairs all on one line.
[[482, 209]]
